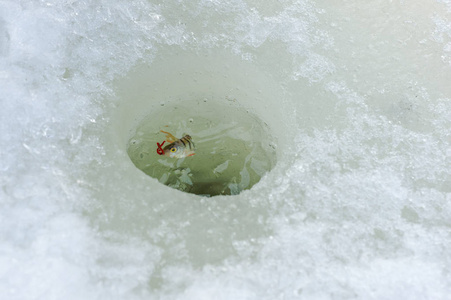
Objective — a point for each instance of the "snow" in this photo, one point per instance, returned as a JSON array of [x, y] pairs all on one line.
[[358, 205]]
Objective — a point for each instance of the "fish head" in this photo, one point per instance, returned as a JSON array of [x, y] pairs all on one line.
[[173, 150]]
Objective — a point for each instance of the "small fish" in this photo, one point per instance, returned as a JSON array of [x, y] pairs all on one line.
[[177, 148]]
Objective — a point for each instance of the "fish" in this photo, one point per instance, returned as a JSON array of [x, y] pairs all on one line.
[[178, 148]]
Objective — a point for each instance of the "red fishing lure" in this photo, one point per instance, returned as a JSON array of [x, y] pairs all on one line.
[[160, 150]]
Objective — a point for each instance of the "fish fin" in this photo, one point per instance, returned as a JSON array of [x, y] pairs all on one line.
[[191, 154], [169, 137]]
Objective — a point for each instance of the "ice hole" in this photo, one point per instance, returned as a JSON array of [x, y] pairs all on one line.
[[233, 147], [225, 104]]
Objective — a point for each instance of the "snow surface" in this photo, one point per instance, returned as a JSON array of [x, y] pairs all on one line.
[[358, 206]]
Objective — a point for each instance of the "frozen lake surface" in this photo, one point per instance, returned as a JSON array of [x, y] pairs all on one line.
[[357, 96]]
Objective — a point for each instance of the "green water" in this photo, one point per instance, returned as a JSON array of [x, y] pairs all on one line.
[[233, 147]]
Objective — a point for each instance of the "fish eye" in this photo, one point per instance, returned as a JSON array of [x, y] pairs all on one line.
[[173, 149]]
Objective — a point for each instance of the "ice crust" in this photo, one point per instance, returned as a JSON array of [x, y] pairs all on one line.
[[358, 206]]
